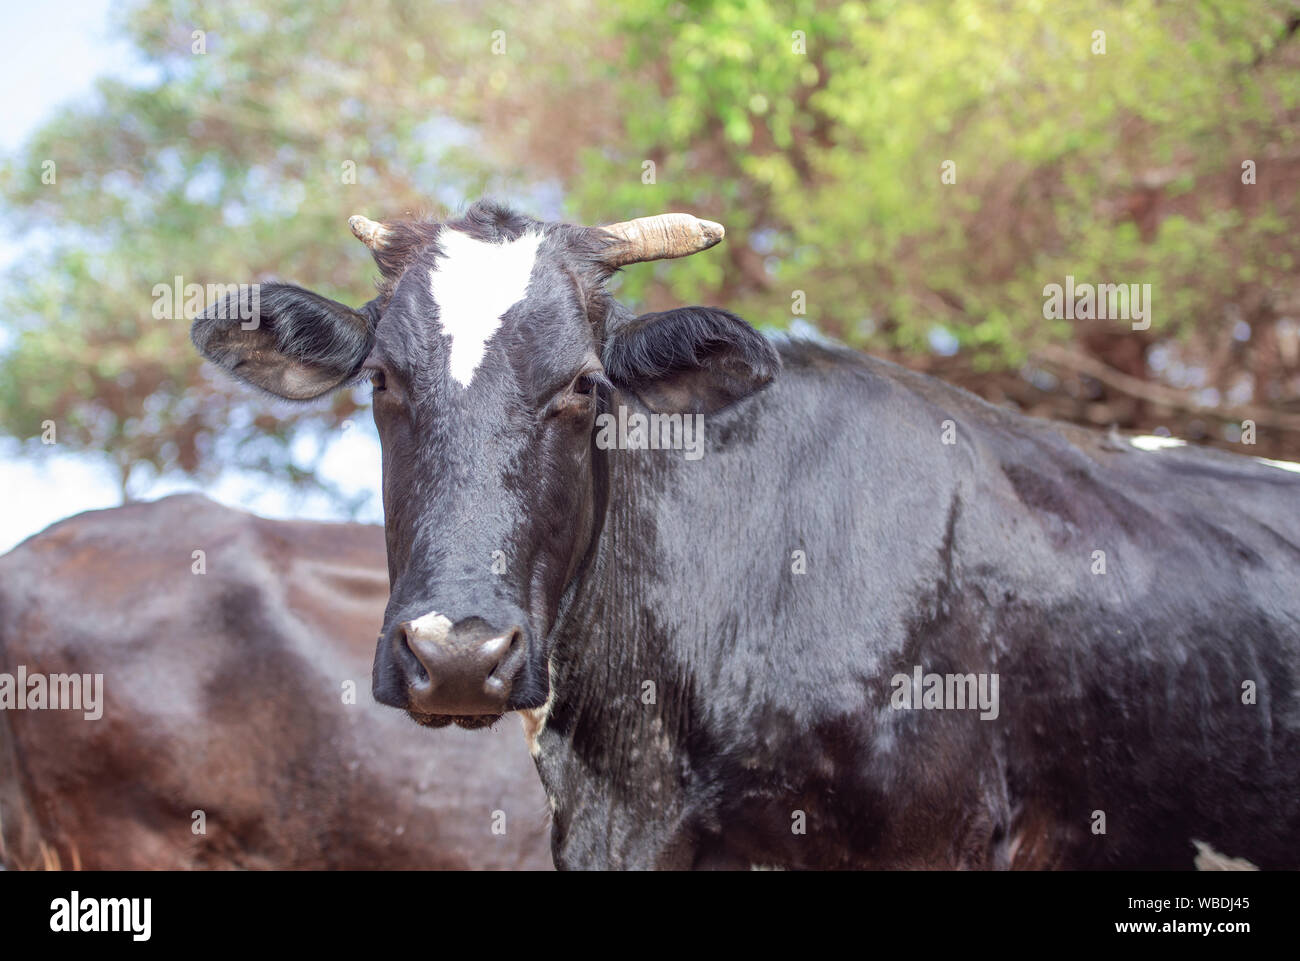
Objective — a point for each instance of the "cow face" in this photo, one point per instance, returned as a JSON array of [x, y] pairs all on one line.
[[491, 349]]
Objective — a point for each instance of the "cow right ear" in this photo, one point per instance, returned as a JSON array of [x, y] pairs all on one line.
[[284, 340], [689, 360]]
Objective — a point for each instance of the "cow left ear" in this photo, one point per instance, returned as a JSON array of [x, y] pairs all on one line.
[[689, 360], [285, 340]]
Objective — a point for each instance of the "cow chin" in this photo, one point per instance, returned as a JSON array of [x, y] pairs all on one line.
[[468, 721]]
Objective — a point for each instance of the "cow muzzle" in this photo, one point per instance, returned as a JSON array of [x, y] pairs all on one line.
[[443, 672]]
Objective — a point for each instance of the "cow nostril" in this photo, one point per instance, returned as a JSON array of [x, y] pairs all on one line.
[[421, 670], [507, 646], [494, 651]]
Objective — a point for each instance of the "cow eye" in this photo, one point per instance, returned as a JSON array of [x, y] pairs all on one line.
[[377, 380], [585, 385]]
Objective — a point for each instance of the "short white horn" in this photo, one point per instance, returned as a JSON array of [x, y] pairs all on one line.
[[660, 238], [373, 235]]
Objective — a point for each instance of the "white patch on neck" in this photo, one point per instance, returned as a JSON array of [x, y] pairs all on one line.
[[1152, 442], [534, 719], [474, 283], [1280, 464], [1208, 859]]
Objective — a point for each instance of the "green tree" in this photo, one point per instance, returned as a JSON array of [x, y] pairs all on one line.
[[820, 133]]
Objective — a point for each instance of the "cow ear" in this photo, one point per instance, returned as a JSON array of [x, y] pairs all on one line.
[[283, 339], [689, 360]]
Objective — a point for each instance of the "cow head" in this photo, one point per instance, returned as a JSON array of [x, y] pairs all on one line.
[[491, 348]]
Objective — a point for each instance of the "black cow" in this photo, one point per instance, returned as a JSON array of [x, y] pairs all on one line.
[[227, 689], [879, 623]]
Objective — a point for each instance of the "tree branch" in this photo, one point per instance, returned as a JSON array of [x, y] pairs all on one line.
[[1159, 394]]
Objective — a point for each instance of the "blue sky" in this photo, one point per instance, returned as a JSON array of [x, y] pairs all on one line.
[[55, 54]]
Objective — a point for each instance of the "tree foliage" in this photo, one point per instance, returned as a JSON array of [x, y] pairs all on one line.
[[819, 133]]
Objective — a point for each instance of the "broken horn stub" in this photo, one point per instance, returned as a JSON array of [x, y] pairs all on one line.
[[660, 238], [373, 235]]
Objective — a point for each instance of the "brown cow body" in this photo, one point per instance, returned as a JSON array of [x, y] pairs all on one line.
[[225, 692]]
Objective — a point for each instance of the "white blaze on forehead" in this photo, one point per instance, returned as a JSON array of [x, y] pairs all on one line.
[[474, 283]]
